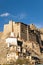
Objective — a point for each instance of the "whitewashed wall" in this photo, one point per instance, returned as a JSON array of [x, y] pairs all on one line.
[[11, 41]]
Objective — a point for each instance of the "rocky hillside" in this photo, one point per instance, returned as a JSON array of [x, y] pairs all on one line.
[[3, 51]]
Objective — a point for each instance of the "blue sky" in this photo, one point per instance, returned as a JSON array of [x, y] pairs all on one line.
[[27, 11]]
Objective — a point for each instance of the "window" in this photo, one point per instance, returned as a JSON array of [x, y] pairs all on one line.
[[19, 43]]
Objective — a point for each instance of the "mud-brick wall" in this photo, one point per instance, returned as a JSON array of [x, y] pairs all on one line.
[[23, 31], [8, 27]]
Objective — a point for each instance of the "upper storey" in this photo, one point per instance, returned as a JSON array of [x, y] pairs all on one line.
[[22, 31]]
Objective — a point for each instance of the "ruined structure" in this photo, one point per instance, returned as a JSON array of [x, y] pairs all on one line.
[[21, 40]]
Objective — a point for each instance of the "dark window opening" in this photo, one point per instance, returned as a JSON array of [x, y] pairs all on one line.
[[28, 53], [26, 45], [35, 58], [37, 38], [41, 49], [19, 43], [32, 31]]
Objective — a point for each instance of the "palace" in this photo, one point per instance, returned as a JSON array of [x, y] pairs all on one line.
[[19, 40]]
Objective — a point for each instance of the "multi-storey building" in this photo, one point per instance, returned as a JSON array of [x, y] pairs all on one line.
[[23, 38]]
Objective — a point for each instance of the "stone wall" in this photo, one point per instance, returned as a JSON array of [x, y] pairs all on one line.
[[22, 31], [28, 34]]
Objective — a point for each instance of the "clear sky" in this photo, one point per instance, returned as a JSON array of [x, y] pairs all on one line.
[[27, 11]]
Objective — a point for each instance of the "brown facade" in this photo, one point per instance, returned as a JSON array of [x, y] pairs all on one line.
[[22, 31], [28, 34]]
